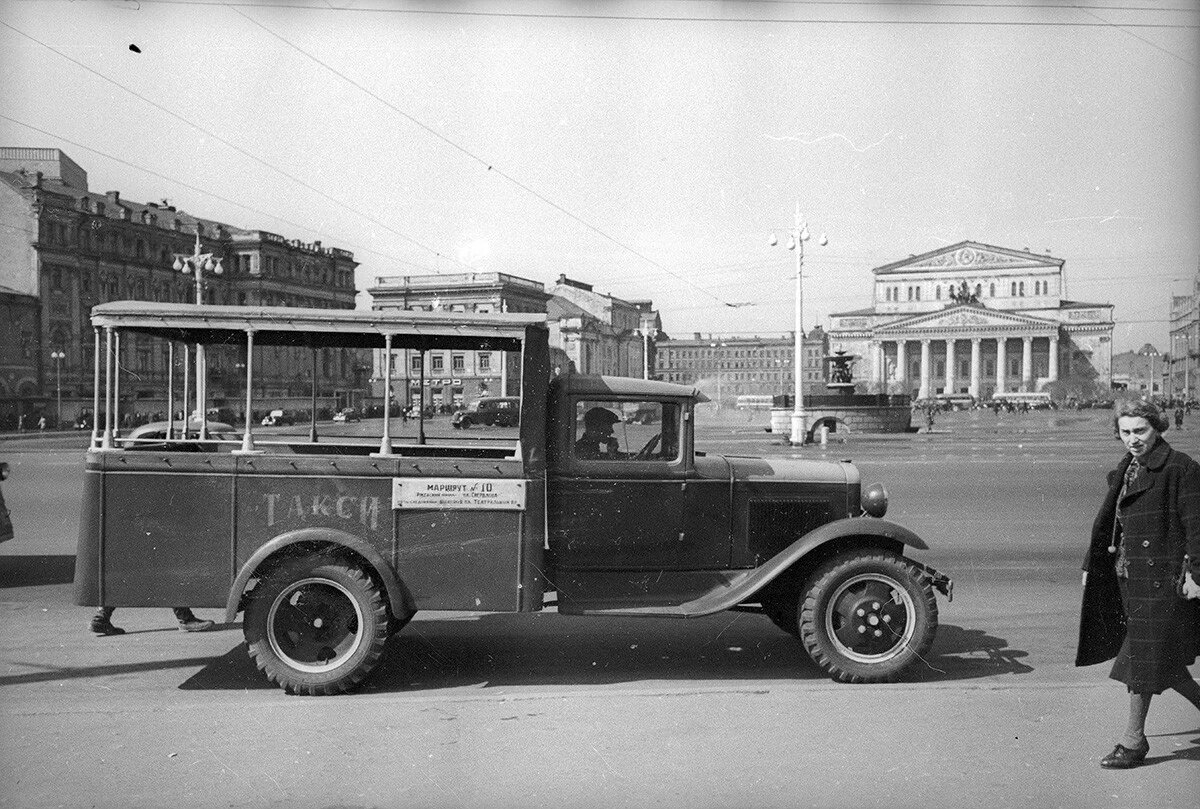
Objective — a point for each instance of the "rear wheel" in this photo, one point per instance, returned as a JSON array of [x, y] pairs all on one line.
[[316, 625], [867, 616]]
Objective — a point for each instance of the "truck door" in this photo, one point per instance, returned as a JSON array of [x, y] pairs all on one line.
[[616, 508]]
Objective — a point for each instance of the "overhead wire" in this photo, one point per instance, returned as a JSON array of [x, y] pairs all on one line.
[[595, 16], [234, 146], [488, 166], [190, 187]]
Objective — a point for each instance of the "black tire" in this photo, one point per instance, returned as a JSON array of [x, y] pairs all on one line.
[[866, 616], [783, 612], [316, 625]]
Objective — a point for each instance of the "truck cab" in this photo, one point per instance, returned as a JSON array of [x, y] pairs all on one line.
[[329, 544]]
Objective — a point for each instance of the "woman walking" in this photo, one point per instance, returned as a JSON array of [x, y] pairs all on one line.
[[1140, 591]]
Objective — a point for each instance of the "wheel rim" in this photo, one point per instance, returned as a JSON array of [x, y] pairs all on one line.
[[315, 625], [870, 618]]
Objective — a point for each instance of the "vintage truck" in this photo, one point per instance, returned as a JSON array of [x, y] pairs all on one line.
[[329, 544]]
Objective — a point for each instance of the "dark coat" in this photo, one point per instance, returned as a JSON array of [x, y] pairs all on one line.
[[1161, 518]]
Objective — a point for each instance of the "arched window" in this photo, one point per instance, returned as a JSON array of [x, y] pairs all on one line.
[[1021, 289], [937, 292], [1013, 291], [991, 290], [978, 290]]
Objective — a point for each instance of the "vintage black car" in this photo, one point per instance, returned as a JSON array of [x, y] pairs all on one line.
[[497, 411]]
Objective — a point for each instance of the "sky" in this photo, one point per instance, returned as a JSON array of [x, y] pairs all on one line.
[[650, 149]]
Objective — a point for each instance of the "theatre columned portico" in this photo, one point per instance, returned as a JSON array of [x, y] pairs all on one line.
[[966, 349], [975, 319]]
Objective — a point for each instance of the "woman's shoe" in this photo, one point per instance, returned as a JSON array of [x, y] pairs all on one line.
[[1122, 758]]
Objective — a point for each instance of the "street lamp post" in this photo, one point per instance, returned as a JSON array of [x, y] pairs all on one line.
[[647, 335], [58, 357], [719, 362], [796, 240], [196, 264], [1152, 355]]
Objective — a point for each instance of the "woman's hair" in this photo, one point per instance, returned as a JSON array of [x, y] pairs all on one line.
[[1144, 409]]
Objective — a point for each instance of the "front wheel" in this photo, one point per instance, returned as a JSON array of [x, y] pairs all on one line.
[[316, 625], [867, 616]]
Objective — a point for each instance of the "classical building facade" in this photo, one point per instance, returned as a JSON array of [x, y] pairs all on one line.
[[976, 319], [726, 367], [1183, 349], [65, 248], [590, 333], [600, 333], [450, 379]]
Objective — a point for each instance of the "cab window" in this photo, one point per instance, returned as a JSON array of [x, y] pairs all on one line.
[[610, 430]]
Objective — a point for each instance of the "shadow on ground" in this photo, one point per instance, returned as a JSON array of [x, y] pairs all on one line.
[[548, 649], [36, 571]]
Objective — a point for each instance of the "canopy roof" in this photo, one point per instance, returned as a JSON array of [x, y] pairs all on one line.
[[294, 326]]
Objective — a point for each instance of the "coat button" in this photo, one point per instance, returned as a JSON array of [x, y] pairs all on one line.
[[1150, 562], [1145, 543], [1157, 584]]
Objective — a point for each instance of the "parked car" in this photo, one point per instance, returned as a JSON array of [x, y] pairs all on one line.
[[157, 431], [347, 414], [499, 411], [278, 418], [6, 526]]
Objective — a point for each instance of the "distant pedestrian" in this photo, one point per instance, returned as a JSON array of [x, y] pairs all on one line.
[[42, 424], [929, 411], [1141, 597], [1178, 418], [21, 423]]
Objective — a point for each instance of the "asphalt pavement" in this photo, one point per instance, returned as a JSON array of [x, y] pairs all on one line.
[[481, 710]]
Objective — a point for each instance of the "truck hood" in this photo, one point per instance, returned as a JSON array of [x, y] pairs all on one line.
[[782, 470]]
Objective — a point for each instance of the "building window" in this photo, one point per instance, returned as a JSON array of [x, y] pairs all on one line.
[[1021, 289], [414, 363], [937, 292], [458, 363], [918, 293], [1012, 292], [437, 363]]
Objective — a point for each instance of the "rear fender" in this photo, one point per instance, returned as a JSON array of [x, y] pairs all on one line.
[[399, 599]]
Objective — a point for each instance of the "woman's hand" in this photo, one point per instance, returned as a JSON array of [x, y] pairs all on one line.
[[1190, 588], [1084, 578]]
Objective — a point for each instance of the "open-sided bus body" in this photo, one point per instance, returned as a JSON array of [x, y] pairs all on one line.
[[330, 543]]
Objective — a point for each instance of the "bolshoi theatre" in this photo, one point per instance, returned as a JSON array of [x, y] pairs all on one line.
[[974, 319]]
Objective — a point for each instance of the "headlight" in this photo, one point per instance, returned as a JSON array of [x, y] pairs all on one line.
[[875, 500]]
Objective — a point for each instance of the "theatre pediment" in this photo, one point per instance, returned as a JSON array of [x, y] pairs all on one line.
[[972, 256], [967, 319]]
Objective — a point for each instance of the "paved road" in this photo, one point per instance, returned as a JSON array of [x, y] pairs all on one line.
[[488, 710]]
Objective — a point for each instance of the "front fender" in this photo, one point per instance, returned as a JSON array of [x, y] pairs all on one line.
[[743, 586], [399, 598]]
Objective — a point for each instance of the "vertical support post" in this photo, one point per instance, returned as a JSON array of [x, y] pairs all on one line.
[[924, 391], [96, 387], [976, 361], [116, 385], [1001, 365], [170, 389], [421, 409], [799, 417], [107, 441], [385, 443], [1027, 364], [312, 402], [949, 380], [187, 370], [247, 438]]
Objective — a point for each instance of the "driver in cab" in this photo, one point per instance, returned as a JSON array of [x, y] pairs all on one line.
[[598, 441]]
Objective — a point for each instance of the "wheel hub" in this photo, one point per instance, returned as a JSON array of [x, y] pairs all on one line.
[[868, 618]]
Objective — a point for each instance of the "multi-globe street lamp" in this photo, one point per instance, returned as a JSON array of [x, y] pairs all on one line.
[[58, 357], [196, 265], [647, 334], [798, 235]]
